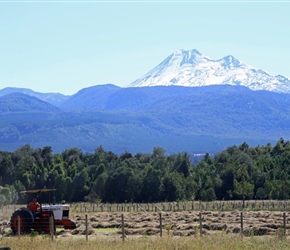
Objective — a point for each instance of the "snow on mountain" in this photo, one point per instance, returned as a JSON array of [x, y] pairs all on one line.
[[192, 69]]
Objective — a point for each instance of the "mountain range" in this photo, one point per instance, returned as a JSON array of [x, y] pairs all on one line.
[[187, 103]]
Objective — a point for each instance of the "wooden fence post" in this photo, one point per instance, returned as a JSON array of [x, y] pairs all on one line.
[[242, 224], [123, 229], [18, 226], [200, 224], [160, 223], [51, 226], [284, 225], [87, 233]]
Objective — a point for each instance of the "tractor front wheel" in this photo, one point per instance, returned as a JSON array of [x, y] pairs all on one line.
[[69, 224]]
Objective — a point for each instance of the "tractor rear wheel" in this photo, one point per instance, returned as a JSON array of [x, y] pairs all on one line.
[[26, 220]]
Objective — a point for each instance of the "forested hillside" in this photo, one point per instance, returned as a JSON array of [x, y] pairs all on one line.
[[260, 172]]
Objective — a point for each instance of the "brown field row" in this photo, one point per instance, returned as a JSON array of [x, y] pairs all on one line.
[[183, 223]]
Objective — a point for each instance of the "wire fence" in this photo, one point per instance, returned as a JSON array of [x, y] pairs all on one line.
[[251, 205]]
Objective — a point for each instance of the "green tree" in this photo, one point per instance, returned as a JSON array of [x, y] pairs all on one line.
[[208, 194], [122, 185], [173, 187], [79, 187], [151, 185], [242, 185]]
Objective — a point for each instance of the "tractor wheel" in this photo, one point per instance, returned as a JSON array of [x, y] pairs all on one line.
[[26, 220]]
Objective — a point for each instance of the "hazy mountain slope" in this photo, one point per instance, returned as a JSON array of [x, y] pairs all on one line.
[[130, 99], [130, 135], [110, 97], [18, 102], [92, 98], [53, 98], [226, 111], [197, 120], [193, 69]]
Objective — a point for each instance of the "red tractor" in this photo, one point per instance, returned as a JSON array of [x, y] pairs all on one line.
[[27, 220]]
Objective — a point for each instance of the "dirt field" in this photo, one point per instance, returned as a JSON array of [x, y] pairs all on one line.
[[185, 223]]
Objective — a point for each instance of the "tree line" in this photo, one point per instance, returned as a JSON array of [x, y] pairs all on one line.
[[238, 172]]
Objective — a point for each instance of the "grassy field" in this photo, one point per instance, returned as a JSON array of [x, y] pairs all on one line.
[[216, 242]]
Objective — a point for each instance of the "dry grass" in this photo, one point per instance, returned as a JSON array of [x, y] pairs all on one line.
[[217, 242]]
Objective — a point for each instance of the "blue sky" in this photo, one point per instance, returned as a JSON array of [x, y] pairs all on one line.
[[64, 46]]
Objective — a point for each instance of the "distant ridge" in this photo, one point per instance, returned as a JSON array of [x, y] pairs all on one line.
[[19, 102], [53, 98]]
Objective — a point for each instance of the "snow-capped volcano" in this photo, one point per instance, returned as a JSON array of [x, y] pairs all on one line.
[[192, 69]]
